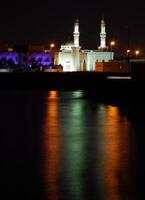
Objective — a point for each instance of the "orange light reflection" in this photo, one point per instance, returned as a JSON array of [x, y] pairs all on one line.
[[52, 146], [52, 95], [117, 155]]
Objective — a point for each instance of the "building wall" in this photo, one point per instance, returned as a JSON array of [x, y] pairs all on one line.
[[83, 61], [114, 66], [69, 58], [56, 58], [66, 60], [96, 56], [76, 60], [89, 59]]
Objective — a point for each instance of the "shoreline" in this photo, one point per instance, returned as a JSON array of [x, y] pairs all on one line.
[[96, 84]]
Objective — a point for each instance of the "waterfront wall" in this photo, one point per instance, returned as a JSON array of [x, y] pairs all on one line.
[[113, 66]]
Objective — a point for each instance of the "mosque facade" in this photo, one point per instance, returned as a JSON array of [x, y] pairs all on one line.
[[73, 58]]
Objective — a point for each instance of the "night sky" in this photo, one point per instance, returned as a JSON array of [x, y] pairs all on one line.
[[45, 21]]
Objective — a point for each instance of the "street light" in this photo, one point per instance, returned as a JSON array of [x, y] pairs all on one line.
[[128, 59], [52, 45], [137, 53], [128, 53], [112, 44]]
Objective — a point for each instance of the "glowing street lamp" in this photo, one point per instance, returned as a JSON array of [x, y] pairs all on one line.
[[128, 52], [137, 52], [112, 44], [52, 45]]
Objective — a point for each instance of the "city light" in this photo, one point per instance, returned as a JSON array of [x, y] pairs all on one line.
[[112, 44], [128, 51], [10, 49], [52, 45], [137, 52]]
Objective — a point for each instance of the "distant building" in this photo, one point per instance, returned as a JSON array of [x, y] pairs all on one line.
[[26, 55], [9, 59], [73, 58]]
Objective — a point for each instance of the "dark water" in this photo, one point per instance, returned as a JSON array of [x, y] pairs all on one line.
[[69, 146]]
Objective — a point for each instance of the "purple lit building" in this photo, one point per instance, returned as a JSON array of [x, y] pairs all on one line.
[[27, 59], [9, 59], [40, 59]]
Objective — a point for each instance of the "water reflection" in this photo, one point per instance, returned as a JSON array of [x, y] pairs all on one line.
[[88, 149], [52, 145], [117, 150], [74, 149]]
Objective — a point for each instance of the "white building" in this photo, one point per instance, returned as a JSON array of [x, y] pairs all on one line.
[[73, 58]]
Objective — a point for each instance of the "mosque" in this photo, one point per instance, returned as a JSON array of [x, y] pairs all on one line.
[[73, 58]]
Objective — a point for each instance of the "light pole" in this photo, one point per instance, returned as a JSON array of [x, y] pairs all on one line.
[[52, 45], [128, 53], [137, 53], [112, 45], [128, 59]]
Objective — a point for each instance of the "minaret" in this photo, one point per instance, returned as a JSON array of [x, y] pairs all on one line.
[[76, 34], [102, 35]]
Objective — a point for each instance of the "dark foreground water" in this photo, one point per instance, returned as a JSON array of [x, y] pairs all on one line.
[[70, 146]]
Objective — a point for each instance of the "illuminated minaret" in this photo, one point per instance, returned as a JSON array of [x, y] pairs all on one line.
[[102, 35], [76, 33]]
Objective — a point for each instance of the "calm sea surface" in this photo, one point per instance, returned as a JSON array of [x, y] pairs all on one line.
[[70, 146]]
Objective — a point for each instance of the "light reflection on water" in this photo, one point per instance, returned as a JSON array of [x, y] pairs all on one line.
[[87, 149], [52, 145], [117, 155]]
